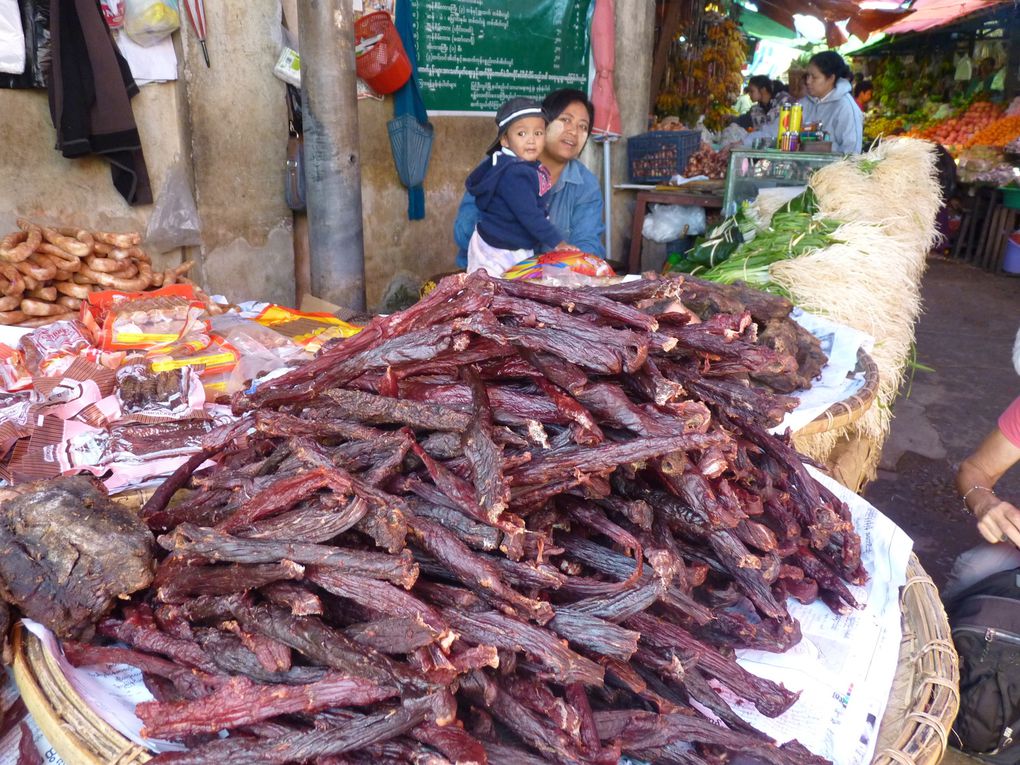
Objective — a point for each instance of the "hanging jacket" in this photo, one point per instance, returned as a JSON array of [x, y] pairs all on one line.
[[90, 90], [512, 213], [840, 116]]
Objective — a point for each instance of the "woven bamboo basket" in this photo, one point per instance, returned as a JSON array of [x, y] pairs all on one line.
[[77, 733], [925, 694], [842, 413]]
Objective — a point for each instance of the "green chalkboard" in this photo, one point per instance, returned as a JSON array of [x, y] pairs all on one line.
[[475, 54]]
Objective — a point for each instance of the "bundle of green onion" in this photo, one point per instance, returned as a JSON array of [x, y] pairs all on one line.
[[729, 254]]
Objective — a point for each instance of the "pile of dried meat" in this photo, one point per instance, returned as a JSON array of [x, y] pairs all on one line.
[[511, 524]]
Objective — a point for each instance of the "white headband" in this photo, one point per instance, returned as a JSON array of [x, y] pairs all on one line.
[[520, 113]]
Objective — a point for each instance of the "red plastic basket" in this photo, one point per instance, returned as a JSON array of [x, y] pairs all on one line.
[[382, 64]]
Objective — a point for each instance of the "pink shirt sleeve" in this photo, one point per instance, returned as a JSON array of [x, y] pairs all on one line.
[[1009, 423]]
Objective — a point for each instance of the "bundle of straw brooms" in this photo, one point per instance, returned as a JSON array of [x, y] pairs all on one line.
[[887, 200]]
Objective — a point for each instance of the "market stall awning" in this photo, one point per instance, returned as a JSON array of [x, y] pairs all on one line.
[[868, 21], [761, 26], [930, 14]]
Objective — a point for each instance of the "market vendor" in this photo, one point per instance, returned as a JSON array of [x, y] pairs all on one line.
[[829, 101], [864, 91], [987, 79], [769, 96], [575, 200]]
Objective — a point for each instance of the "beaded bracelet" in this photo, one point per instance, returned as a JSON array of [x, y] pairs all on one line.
[[967, 494]]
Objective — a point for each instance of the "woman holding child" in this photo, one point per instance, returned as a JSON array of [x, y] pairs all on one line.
[[574, 199]]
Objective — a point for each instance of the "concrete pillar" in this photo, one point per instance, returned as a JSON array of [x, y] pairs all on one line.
[[332, 152], [234, 126]]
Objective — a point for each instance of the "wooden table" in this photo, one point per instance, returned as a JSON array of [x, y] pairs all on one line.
[[710, 200]]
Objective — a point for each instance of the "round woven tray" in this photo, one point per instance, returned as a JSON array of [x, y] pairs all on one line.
[[925, 694], [842, 413], [77, 733]]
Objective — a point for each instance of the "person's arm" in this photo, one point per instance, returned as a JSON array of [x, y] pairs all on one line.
[[464, 227], [587, 218], [847, 128], [998, 519], [519, 189]]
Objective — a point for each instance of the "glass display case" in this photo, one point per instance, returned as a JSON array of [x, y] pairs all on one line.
[[751, 170]]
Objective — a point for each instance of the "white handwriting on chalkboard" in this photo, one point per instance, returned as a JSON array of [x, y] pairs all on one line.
[[474, 56]]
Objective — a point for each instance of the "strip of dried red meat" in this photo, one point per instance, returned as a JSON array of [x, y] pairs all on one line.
[[28, 752], [453, 741], [365, 407], [241, 702], [555, 464], [214, 545], [479, 536], [594, 634], [381, 598], [638, 731], [584, 300], [771, 699], [395, 634], [334, 739], [193, 580], [475, 571], [271, 654], [483, 454], [325, 645], [530, 727], [508, 633], [230, 655], [318, 520], [500, 754], [190, 683]]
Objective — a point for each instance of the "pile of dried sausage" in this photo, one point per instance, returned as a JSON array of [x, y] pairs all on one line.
[[46, 273]]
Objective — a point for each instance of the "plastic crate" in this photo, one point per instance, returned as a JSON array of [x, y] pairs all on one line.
[[658, 156], [1010, 197]]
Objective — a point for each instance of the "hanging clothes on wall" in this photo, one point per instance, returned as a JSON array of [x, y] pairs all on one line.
[[411, 133], [35, 21], [90, 88]]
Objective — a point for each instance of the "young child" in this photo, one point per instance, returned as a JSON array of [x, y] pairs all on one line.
[[508, 187]]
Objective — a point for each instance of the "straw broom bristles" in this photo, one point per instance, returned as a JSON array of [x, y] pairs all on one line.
[[870, 280]]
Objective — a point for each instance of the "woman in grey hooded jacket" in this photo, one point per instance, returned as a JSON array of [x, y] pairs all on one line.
[[830, 101]]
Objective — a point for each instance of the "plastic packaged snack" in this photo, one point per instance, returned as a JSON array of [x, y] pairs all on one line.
[[50, 349], [148, 396], [141, 320], [14, 375], [207, 354], [546, 264], [309, 330]]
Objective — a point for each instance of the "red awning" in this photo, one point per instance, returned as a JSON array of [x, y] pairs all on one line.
[[929, 14]]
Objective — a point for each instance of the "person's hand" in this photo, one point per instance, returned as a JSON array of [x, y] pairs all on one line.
[[565, 247], [998, 520]]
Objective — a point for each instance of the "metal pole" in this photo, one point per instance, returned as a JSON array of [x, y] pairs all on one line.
[[332, 155], [607, 184]]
